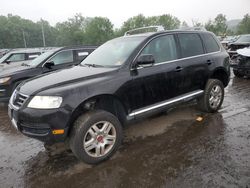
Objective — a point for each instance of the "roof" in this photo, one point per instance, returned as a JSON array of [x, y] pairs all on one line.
[[148, 34], [33, 50]]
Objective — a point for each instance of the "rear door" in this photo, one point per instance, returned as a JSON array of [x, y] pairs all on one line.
[[192, 68]]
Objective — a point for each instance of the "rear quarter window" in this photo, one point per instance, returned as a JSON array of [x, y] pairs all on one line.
[[191, 44], [81, 55], [33, 55], [210, 43]]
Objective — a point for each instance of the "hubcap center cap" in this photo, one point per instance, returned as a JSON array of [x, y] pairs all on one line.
[[100, 138]]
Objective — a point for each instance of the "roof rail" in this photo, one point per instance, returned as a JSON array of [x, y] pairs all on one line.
[[158, 28], [193, 28]]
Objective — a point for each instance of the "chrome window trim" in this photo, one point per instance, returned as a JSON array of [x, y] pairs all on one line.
[[165, 103], [171, 61], [185, 58]]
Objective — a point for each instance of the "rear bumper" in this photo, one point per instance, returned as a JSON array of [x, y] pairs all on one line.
[[40, 124]]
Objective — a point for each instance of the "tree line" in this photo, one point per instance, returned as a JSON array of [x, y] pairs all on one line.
[[16, 32]]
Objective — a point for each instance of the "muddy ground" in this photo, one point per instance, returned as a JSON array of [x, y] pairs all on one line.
[[168, 150]]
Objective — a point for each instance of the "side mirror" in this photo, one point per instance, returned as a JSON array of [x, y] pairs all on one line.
[[146, 60], [7, 61], [49, 64]]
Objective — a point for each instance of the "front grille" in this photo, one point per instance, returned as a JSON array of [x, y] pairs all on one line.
[[18, 99]]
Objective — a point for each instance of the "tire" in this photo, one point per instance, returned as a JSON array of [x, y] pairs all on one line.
[[237, 73], [95, 136], [214, 91]]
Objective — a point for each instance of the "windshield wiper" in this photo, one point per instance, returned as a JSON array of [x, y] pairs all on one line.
[[93, 65]]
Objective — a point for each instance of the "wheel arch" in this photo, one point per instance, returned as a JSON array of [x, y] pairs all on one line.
[[222, 75], [107, 102]]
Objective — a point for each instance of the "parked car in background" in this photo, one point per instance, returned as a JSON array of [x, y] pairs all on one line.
[[227, 40], [242, 42], [55, 59], [241, 63], [126, 78], [20, 55]]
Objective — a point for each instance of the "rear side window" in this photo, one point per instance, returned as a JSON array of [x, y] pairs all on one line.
[[81, 55], [190, 44], [162, 48], [210, 43], [33, 56]]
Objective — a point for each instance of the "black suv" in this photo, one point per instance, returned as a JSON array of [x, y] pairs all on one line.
[[124, 79], [55, 59]]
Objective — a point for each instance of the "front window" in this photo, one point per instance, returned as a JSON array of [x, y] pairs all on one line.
[[162, 48], [114, 52], [62, 57]]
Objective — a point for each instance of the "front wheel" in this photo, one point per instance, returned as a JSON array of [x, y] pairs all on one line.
[[95, 136], [213, 96]]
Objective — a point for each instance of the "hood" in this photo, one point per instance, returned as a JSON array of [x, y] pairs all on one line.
[[240, 44], [62, 77], [11, 69], [244, 52]]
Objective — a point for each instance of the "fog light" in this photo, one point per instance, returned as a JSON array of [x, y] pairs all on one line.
[[58, 131]]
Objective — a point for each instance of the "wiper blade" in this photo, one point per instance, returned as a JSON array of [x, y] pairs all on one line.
[[93, 65]]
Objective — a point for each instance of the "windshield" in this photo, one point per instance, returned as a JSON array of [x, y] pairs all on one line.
[[2, 59], [114, 52], [40, 58], [244, 38]]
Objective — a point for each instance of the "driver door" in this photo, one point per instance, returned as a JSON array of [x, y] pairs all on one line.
[[157, 83]]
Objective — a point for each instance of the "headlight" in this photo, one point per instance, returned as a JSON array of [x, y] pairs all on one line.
[[45, 102], [4, 80]]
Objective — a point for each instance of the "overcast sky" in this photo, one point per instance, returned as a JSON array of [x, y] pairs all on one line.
[[119, 11]]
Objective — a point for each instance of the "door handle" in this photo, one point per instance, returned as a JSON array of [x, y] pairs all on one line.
[[178, 69], [209, 61]]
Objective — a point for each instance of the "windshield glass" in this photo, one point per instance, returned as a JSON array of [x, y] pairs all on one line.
[[2, 59], [244, 38], [40, 58], [114, 52]]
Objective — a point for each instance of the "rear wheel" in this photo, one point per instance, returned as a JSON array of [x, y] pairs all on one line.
[[213, 96], [237, 73], [95, 136]]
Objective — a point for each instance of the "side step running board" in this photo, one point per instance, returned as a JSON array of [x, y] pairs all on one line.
[[183, 97]]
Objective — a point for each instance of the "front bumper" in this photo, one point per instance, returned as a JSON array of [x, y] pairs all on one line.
[[40, 124]]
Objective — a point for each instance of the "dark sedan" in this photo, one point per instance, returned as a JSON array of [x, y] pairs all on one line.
[[53, 60]]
